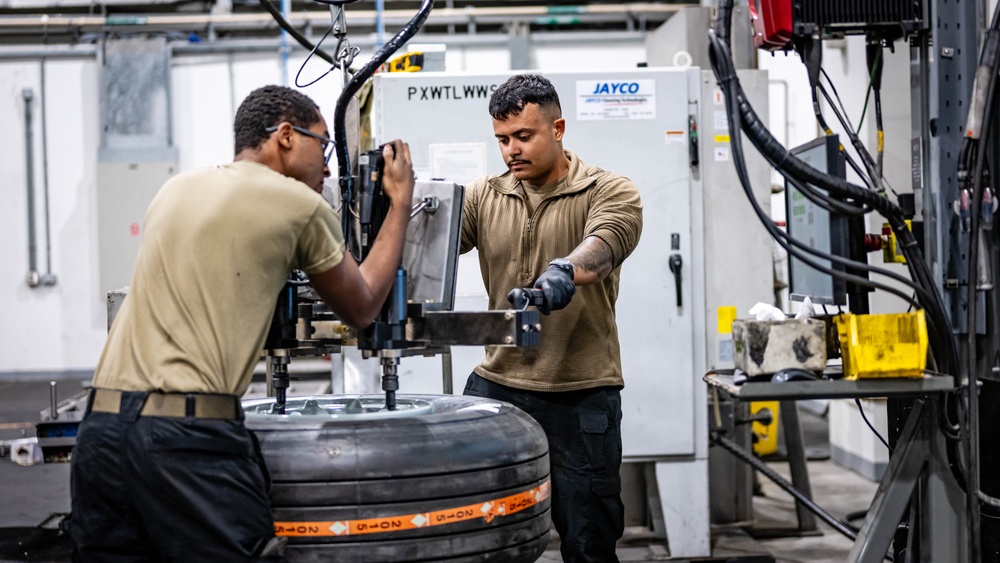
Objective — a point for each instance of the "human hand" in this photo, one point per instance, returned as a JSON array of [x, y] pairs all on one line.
[[397, 174], [557, 286]]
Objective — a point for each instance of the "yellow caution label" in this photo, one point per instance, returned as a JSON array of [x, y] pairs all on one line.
[[722, 138], [726, 317], [487, 510]]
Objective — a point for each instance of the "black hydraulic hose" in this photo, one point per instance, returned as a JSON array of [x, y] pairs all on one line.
[[745, 456], [786, 241], [942, 339], [301, 39], [352, 87]]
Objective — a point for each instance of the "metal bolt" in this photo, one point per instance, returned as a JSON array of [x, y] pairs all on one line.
[[508, 316], [508, 340], [947, 52], [525, 327], [538, 327]]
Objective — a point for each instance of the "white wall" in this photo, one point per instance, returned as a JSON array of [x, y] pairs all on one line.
[[59, 327], [55, 329]]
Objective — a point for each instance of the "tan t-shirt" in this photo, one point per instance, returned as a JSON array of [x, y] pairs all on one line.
[[217, 248]]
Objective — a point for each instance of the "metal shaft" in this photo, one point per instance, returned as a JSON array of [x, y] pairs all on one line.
[[29, 164], [390, 382], [53, 400], [279, 380]]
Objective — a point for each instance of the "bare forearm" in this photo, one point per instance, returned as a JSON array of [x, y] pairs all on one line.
[[379, 268], [592, 261]]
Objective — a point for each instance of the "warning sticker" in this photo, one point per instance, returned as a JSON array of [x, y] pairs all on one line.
[[488, 511], [615, 99]]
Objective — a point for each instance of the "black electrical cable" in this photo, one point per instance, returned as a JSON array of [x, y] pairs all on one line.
[[942, 340], [875, 169], [784, 239], [301, 39], [781, 236], [880, 132], [313, 52], [817, 111], [825, 201], [350, 89], [845, 261], [866, 157], [861, 409]]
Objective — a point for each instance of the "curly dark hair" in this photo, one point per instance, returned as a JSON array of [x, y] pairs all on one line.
[[268, 106], [521, 89]]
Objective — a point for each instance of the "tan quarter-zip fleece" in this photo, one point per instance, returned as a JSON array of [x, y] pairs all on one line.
[[579, 347]]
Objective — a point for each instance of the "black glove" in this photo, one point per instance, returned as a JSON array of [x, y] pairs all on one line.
[[556, 283]]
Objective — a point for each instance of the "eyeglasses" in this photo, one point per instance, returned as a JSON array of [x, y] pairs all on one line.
[[326, 143]]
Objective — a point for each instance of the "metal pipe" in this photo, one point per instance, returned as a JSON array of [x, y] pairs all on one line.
[[479, 40], [286, 8], [48, 278], [238, 46], [379, 23], [55, 52], [443, 16], [29, 166], [54, 414], [773, 475]]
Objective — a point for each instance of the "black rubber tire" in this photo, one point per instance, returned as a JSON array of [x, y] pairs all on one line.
[[456, 452]]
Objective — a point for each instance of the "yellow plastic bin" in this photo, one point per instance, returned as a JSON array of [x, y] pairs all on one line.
[[767, 435], [893, 345]]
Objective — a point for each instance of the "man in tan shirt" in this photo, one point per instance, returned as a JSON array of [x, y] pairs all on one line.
[[554, 223], [163, 467]]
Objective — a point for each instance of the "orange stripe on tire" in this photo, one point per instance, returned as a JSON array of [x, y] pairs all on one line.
[[488, 511]]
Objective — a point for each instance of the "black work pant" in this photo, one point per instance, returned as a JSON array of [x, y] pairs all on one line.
[[149, 488], [585, 455]]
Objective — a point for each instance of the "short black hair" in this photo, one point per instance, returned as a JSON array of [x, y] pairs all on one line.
[[522, 89], [268, 106]]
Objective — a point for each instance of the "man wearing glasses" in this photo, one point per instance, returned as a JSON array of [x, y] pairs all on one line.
[[163, 467]]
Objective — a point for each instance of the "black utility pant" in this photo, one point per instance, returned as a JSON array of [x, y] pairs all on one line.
[[149, 488], [585, 454]]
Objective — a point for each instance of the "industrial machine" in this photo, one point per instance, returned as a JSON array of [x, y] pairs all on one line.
[[937, 501], [416, 318]]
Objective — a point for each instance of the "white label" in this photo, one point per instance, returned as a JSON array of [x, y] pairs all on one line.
[[721, 123], [457, 162], [721, 154], [615, 99], [675, 137]]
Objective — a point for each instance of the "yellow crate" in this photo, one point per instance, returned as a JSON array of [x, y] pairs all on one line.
[[767, 434], [893, 345]]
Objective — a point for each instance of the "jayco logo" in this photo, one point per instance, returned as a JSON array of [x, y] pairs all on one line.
[[616, 88]]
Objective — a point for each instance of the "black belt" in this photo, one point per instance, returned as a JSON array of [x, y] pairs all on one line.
[[176, 405]]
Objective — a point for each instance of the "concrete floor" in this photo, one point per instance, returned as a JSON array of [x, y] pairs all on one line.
[[29, 495]]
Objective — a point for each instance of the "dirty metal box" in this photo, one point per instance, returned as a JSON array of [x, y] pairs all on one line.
[[764, 347]]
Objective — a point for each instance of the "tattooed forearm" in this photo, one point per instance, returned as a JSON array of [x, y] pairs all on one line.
[[593, 261]]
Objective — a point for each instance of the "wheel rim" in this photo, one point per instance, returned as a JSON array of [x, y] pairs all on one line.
[[334, 407]]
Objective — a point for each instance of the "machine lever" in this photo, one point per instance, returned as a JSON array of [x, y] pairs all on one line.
[[675, 264], [523, 297]]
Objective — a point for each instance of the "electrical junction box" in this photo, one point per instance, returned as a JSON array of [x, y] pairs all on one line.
[[124, 191]]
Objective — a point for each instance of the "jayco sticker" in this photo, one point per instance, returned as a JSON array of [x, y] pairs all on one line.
[[615, 99]]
